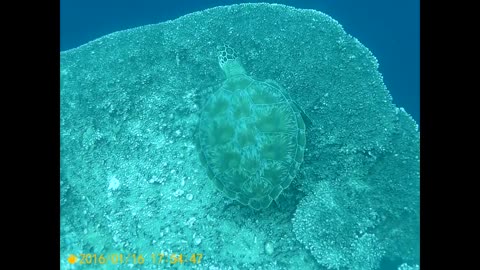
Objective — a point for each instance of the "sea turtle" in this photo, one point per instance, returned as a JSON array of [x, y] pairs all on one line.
[[251, 136]]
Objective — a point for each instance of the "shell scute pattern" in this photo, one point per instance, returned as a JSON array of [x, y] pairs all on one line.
[[251, 137]]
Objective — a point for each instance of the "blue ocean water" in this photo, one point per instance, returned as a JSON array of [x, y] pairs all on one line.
[[390, 29]]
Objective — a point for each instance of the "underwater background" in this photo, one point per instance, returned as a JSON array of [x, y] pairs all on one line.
[[131, 180], [390, 29]]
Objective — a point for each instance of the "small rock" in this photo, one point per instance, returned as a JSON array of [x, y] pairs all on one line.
[[189, 196], [190, 222], [269, 248], [113, 184], [197, 241], [178, 193]]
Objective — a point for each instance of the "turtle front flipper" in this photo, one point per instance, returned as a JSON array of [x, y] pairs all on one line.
[[308, 122]]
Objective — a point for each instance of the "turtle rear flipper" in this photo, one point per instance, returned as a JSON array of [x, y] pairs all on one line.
[[286, 199]]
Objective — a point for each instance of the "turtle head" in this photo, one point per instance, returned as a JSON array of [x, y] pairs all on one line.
[[229, 62]]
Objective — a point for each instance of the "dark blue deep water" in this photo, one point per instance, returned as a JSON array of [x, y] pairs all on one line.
[[390, 29]]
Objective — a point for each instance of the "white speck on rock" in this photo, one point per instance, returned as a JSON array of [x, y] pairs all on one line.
[[155, 179], [113, 184], [178, 193], [190, 222], [269, 248], [197, 241]]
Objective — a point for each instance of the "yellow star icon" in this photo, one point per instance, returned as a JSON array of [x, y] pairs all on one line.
[[72, 259]]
